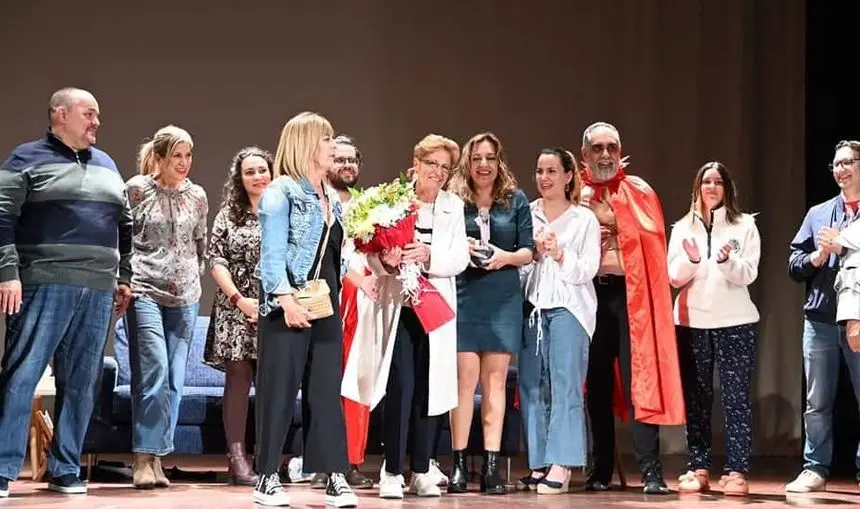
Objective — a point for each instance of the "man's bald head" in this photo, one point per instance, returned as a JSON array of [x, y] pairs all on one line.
[[74, 117]]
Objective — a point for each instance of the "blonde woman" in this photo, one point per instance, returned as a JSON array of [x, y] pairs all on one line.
[[489, 299], [169, 246], [301, 240]]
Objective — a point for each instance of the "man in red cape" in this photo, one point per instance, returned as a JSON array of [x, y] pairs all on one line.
[[633, 361]]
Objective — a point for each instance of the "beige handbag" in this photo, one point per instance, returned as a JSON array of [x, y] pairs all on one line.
[[316, 295]]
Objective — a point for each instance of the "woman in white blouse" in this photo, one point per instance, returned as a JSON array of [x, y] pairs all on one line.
[[713, 257], [562, 307]]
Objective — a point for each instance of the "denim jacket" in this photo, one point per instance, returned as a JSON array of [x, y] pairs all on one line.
[[291, 225]]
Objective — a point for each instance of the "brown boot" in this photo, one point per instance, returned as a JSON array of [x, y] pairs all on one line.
[[144, 476], [161, 480], [239, 470]]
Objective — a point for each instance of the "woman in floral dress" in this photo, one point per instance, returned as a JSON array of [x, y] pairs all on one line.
[[231, 342]]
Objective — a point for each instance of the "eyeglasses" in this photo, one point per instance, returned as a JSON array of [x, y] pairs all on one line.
[[435, 165], [346, 160], [598, 148], [845, 163]]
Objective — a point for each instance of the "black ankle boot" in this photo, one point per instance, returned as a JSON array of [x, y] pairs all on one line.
[[457, 481], [491, 479]]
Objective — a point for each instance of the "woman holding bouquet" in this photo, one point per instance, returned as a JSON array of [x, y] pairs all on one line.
[[562, 307], [299, 345], [412, 402], [489, 299]]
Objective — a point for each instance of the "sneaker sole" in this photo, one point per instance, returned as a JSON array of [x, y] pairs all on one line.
[[335, 501], [68, 490], [268, 500], [4, 493]]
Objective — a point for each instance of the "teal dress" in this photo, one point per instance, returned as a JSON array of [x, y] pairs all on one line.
[[490, 302]]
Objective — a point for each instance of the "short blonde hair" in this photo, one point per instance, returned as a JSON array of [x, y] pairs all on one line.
[[161, 146], [299, 139], [433, 142]]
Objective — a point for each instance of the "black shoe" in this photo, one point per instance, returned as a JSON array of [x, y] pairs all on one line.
[[4, 487], [358, 480], [596, 482], [491, 480], [458, 480], [652, 478], [68, 484], [338, 493], [270, 491], [319, 481]]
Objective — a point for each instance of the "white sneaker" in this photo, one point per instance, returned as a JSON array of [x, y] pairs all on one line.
[[270, 491], [424, 485], [806, 482], [382, 474], [390, 485], [436, 473]]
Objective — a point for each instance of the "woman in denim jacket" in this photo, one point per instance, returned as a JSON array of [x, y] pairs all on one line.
[[301, 233]]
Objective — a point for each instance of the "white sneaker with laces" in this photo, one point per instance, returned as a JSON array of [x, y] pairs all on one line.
[[270, 491], [808, 481], [436, 473], [382, 473], [390, 485], [424, 485]]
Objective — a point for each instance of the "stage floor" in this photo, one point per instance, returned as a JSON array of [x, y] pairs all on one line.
[[767, 492]]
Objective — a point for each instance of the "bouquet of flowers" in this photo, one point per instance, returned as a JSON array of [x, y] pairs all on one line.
[[383, 217]]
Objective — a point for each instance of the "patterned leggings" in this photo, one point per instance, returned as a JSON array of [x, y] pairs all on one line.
[[734, 350]]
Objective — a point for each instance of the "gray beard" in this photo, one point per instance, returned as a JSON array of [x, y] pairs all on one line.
[[603, 175]]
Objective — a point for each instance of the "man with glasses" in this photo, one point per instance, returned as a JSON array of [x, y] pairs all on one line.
[[814, 261], [343, 176], [634, 315]]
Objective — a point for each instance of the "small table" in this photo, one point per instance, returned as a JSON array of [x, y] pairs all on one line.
[[41, 428]]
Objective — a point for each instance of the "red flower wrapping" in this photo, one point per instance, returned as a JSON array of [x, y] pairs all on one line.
[[430, 307]]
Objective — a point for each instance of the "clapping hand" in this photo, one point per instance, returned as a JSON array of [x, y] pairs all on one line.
[[692, 250], [724, 252], [827, 240]]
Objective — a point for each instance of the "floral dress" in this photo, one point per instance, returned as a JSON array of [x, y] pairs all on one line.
[[237, 248]]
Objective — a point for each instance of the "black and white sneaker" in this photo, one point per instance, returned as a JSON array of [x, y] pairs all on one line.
[[338, 493], [4, 487], [68, 484], [270, 491]]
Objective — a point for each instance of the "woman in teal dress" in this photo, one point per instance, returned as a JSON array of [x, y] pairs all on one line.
[[489, 299]]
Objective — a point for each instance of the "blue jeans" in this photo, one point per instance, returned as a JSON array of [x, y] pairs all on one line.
[[823, 344], [159, 339], [70, 324], [552, 381]]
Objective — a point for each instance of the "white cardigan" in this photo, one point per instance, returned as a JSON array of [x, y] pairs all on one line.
[[548, 284], [365, 376], [714, 295]]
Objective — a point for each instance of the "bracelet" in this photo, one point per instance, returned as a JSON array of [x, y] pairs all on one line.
[[234, 299]]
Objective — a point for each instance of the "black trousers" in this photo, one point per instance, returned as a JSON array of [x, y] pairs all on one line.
[[406, 399], [290, 359], [612, 339], [733, 350]]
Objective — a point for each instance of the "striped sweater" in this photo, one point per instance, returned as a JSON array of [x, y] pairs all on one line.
[[64, 217]]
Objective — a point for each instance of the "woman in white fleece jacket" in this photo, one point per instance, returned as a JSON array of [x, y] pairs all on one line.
[[713, 257]]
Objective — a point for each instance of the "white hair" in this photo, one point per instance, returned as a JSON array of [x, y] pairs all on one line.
[[586, 135]]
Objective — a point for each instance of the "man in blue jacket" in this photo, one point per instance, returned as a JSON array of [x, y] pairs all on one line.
[[65, 249], [824, 341]]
